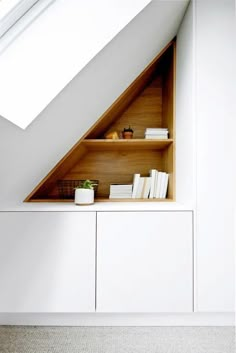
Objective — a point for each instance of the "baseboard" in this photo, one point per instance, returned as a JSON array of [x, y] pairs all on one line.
[[65, 319]]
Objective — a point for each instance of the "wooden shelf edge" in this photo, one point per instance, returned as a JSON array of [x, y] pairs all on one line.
[[134, 200], [125, 141], [104, 200], [109, 144]]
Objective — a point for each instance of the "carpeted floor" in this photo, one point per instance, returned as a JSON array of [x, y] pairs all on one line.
[[21, 339]]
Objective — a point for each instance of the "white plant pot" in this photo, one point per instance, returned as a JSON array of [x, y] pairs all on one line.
[[84, 196]]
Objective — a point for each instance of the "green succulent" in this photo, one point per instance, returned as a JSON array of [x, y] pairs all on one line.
[[86, 184]]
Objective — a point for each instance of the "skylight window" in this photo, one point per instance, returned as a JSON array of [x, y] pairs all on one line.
[[11, 11], [49, 45]]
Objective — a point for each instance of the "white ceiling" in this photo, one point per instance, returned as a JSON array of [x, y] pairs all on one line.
[[57, 45]]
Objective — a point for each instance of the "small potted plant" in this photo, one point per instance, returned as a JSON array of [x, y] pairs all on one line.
[[84, 193], [127, 133]]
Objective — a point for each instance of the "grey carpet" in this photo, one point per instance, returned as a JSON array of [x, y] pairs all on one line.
[[20, 339]]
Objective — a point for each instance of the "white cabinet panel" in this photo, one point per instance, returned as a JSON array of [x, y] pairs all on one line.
[[144, 262], [215, 123], [47, 261]]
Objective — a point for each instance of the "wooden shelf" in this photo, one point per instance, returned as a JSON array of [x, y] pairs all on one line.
[[149, 102], [105, 144], [103, 200], [133, 200]]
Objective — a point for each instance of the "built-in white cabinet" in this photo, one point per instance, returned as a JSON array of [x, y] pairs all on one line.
[[47, 261], [144, 262], [139, 261], [215, 156]]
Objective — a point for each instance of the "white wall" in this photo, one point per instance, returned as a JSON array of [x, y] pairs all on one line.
[[27, 156], [215, 112], [185, 117]]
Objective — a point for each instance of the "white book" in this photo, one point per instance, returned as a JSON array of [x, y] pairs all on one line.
[[152, 174], [156, 130], [161, 132], [162, 186], [146, 187], [156, 137], [165, 188], [159, 184], [156, 133], [122, 196], [120, 188], [140, 188], [135, 185], [155, 186], [121, 193]]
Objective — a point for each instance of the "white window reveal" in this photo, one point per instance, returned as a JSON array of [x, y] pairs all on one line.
[[11, 11], [16, 16], [40, 55]]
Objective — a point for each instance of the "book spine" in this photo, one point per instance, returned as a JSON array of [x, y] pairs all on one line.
[[166, 186], [140, 188], [147, 187], [162, 187], [144, 187], [152, 174], [153, 137], [135, 185], [159, 185]]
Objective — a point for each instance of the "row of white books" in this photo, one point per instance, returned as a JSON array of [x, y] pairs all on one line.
[[156, 133], [154, 186]]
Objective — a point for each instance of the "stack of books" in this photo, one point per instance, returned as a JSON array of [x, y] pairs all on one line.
[[156, 133], [120, 191], [154, 186]]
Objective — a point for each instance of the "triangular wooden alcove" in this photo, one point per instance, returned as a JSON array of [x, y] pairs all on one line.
[[147, 102]]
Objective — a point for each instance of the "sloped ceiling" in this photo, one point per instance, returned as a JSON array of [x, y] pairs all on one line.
[[41, 61], [54, 48]]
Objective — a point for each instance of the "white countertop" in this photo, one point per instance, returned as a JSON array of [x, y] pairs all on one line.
[[97, 206]]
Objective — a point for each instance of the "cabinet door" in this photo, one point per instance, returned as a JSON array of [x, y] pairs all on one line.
[[47, 262], [144, 262], [215, 152]]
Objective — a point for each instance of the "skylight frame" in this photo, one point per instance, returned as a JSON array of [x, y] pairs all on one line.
[[11, 11]]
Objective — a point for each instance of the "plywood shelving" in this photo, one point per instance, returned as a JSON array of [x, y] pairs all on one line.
[[122, 145], [147, 102]]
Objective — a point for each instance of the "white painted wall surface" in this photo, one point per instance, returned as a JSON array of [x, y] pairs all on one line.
[[215, 112], [185, 114], [47, 262], [27, 156]]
